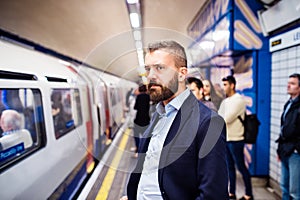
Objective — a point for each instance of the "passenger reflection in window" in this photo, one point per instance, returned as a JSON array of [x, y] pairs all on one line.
[[58, 119], [61, 111], [67, 104], [13, 134], [10, 121], [57, 113]]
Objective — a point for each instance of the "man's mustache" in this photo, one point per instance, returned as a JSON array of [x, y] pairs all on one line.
[[154, 84]]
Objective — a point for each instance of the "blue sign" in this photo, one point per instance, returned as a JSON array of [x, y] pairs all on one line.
[[11, 152]]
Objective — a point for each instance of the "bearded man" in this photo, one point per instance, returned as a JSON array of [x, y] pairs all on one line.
[[182, 154]]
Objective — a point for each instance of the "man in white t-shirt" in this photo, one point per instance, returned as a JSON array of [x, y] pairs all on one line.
[[230, 109]]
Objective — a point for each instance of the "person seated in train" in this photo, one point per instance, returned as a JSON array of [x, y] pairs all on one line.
[[10, 100], [59, 121], [13, 134], [60, 117]]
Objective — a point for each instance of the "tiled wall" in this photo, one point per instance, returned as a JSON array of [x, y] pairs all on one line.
[[284, 63]]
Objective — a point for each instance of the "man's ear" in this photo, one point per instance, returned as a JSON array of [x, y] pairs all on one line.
[[232, 86], [182, 72]]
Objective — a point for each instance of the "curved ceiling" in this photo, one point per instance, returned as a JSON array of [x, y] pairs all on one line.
[[98, 32]]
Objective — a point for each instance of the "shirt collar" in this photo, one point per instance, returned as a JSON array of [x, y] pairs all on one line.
[[294, 99], [175, 104]]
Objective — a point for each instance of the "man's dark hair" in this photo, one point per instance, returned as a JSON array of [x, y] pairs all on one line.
[[197, 81], [230, 79], [295, 75], [173, 48], [142, 88]]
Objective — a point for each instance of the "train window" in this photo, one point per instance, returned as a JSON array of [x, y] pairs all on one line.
[[22, 124], [66, 110], [114, 96]]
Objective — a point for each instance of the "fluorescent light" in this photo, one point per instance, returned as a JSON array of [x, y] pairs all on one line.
[[132, 1], [64, 62], [137, 35], [138, 45], [134, 20], [140, 54]]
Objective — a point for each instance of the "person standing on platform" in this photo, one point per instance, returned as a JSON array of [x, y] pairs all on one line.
[[289, 142], [182, 154], [196, 86], [230, 109], [142, 119]]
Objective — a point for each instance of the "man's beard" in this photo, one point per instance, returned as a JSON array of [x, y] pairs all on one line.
[[165, 92]]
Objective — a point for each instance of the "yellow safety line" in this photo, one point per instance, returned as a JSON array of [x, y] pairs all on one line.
[[108, 180]]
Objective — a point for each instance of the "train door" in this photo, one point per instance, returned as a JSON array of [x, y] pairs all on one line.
[[102, 107], [86, 112]]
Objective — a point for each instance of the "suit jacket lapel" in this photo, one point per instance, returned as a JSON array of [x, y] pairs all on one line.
[[182, 132], [181, 118]]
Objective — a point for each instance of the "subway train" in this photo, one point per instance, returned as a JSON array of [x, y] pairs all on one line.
[[67, 116]]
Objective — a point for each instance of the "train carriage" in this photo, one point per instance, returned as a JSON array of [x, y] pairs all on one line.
[[63, 116], [57, 162]]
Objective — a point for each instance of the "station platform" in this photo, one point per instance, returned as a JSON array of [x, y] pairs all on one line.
[[109, 179]]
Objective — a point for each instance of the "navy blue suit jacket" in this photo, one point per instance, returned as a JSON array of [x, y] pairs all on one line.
[[193, 159]]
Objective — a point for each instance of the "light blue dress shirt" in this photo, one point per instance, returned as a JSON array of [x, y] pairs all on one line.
[[148, 188]]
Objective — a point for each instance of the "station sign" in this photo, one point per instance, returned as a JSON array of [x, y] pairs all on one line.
[[285, 40]]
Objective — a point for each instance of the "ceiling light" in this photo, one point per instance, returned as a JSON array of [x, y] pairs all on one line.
[[141, 68], [64, 62], [138, 45], [132, 1], [137, 35], [140, 54], [134, 20]]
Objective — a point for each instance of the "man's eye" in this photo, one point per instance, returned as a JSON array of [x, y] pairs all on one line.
[[159, 68], [147, 69]]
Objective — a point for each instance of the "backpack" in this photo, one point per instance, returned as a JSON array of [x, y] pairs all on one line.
[[251, 125]]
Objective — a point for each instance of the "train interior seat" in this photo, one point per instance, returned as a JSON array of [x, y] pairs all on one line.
[[17, 137]]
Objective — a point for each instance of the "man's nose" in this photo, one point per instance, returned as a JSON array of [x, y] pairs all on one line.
[[151, 74]]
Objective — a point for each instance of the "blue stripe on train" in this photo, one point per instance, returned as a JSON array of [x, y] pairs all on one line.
[[72, 183]]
